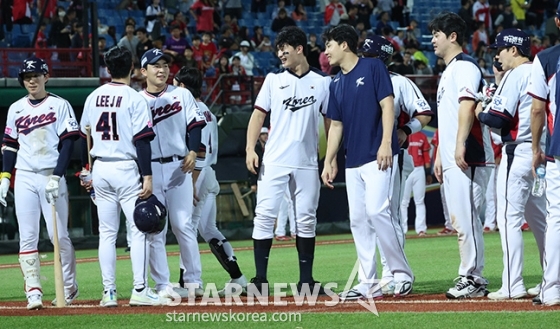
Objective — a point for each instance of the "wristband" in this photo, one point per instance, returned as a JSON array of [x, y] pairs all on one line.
[[5, 175], [415, 125]]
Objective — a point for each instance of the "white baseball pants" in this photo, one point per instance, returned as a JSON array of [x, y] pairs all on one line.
[[415, 183], [491, 196], [286, 215], [551, 264]]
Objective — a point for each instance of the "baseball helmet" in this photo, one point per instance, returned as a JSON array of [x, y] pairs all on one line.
[[375, 45], [150, 215], [32, 65]]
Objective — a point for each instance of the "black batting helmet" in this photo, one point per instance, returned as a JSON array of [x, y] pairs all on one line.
[[32, 65], [375, 45], [150, 215]]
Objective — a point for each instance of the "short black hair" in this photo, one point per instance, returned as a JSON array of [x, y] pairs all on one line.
[[141, 29], [448, 22], [342, 33], [119, 62], [192, 79], [292, 36]]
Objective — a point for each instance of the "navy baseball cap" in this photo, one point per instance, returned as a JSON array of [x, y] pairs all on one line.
[[378, 46], [513, 37], [152, 56], [558, 11]]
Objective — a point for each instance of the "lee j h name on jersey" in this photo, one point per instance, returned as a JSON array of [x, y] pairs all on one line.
[[103, 101]]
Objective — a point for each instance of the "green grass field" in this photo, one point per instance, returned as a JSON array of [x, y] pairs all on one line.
[[433, 260]]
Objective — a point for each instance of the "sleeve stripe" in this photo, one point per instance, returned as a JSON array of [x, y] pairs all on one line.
[[537, 97], [69, 134], [8, 139], [143, 135], [466, 98], [83, 135], [195, 124], [429, 113], [500, 114], [260, 109]]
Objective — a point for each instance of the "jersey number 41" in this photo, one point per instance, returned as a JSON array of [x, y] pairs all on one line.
[[107, 128]]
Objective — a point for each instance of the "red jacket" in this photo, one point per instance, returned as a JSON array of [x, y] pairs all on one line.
[[419, 149]]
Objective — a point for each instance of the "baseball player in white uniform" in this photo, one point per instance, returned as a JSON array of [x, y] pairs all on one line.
[[285, 215], [543, 88], [464, 151], [207, 188], [412, 113], [121, 133], [175, 114], [447, 228], [361, 109], [38, 141], [510, 112], [419, 150], [295, 96]]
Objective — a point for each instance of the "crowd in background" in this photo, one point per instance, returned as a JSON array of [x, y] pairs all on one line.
[[217, 44]]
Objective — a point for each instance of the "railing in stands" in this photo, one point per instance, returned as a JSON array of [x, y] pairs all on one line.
[[73, 62]]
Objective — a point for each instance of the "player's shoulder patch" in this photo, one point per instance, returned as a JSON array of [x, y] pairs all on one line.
[[498, 103]]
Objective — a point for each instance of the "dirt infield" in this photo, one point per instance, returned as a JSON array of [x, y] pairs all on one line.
[[413, 303]]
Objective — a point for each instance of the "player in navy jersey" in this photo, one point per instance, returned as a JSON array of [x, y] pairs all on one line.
[[361, 108], [295, 96], [464, 155]]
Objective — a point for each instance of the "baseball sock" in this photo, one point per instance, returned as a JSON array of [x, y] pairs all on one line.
[[306, 253], [233, 268], [181, 281], [261, 251]]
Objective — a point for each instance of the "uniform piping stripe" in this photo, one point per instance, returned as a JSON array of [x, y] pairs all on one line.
[[260, 109], [510, 158], [471, 197]]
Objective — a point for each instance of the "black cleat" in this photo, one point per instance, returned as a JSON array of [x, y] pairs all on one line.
[[311, 286], [257, 284]]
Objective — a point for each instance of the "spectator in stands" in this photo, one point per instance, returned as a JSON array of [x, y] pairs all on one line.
[[439, 67], [245, 57], [365, 10], [483, 66], [61, 29], [399, 38], [155, 19], [351, 16], [224, 45], [385, 6], [313, 52], [223, 66], [417, 54], [78, 37], [281, 5], [180, 20], [384, 22], [102, 46], [144, 42], [233, 8], [189, 61], [203, 12], [197, 51], [333, 11], [397, 13], [50, 11], [506, 18], [130, 42], [410, 38], [21, 12], [482, 53], [414, 29], [519, 7], [536, 46], [231, 22], [481, 13], [176, 44], [421, 68], [406, 67], [388, 34], [185, 6], [41, 42], [360, 27], [299, 14], [209, 51], [77, 6], [237, 69], [258, 36], [258, 6], [243, 34], [281, 21], [265, 45], [480, 35], [466, 13]]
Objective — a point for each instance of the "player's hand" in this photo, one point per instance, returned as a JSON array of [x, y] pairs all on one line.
[[254, 188], [195, 197], [188, 162], [538, 159], [146, 187], [329, 174], [51, 190], [252, 161], [86, 179], [438, 170], [402, 136], [460, 150], [384, 156], [4, 188]]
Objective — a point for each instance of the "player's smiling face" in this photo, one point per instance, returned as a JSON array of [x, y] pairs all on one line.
[[334, 52], [287, 55], [35, 84], [157, 74]]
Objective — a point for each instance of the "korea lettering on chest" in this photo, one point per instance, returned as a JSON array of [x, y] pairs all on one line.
[[25, 124]]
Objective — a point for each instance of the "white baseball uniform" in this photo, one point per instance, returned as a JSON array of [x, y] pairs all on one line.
[[118, 117], [543, 86], [409, 102], [295, 105], [515, 177], [285, 215], [37, 130], [175, 112], [490, 207], [464, 190]]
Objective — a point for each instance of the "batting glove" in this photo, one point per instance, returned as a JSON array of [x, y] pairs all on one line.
[[51, 190], [4, 188], [85, 176]]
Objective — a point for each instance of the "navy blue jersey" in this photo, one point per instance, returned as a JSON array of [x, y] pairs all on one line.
[[354, 100]]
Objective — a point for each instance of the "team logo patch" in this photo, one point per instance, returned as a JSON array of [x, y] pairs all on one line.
[[30, 262], [72, 125], [422, 104], [8, 131], [498, 103], [360, 81], [27, 124]]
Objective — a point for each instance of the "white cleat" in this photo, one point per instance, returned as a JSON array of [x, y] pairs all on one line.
[[535, 290], [109, 299], [35, 302], [69, 299], [500, 295], [146, 297], [235, 287]]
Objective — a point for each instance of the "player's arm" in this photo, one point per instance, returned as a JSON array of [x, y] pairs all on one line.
[[70, 133], [466, 119], [333, 144], [253, 131], [427, 160], [196, 122], [385, 152], [10, 147], [538, 117]]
